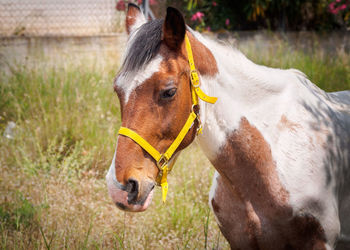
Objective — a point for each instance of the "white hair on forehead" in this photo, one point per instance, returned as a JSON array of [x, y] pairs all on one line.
[[141, 59], [129, 81]]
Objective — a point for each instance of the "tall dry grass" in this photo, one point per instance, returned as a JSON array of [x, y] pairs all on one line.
[[52, 189]]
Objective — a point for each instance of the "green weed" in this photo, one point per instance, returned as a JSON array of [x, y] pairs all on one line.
[[19, 214]]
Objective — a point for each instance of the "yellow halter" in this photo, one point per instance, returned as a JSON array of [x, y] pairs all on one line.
[[163, 159]]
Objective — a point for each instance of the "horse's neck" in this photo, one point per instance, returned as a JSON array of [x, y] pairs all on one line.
[[244, 90], [236, 135]]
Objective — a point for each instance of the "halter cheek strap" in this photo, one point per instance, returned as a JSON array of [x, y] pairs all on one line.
[[162, 160], [195, 83]]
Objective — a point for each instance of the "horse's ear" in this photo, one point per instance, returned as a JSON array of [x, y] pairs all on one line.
[[174, 28], [134, 18]]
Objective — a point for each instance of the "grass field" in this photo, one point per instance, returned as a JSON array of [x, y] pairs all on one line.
[[52, 188]]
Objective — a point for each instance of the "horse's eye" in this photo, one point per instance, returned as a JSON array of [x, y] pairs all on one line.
[[168, 93]]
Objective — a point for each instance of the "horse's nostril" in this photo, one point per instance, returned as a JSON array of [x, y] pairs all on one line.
[[132, 187]]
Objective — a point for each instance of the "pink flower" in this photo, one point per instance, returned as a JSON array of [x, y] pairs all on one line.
[[208, 28], [152, 2], [139, 2], [335, 10], [214, 3], [227, 22], [332, 8], [197, 16], [338, 1], [342, 7], [120, 5]]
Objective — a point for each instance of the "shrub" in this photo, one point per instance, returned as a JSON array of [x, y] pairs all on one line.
[[265, 14]]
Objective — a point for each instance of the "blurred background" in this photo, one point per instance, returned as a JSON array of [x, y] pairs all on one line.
[[284, 15], [59, 115], [90, 17]]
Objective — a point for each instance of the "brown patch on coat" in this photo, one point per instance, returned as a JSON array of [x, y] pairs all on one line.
[[285, 123], [215, 206], [254, 205], [232, 214]]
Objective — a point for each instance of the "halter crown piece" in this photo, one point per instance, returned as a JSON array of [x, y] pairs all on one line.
[[163, 159]]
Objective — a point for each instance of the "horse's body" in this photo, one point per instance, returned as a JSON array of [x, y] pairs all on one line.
[[280, 145], [285, 155]]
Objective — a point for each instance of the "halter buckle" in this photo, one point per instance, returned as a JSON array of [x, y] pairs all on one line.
[[162, 165], [162, 162], [195, 79]]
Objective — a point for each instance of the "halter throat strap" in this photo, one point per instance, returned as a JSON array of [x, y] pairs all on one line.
[[162, 160]]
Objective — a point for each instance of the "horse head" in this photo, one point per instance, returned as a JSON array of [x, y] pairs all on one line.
[[154, 89]]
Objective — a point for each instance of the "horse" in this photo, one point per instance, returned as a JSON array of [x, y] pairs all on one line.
[[279, 144]]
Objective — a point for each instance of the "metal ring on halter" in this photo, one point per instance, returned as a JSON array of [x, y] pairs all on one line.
[[162, 162], [192, 108]]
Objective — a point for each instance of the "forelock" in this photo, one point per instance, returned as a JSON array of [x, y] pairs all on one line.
[[143, 46]]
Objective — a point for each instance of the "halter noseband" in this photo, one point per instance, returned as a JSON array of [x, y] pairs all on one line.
[[162, 160]]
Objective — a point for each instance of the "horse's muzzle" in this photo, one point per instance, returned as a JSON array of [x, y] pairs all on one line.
[[133, 196]]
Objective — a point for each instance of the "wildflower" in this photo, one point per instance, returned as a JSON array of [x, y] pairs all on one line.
[[335, 10], [197, 16], [208, 28], [214, 3], [120, 5], [332, 8], [227, 22]]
